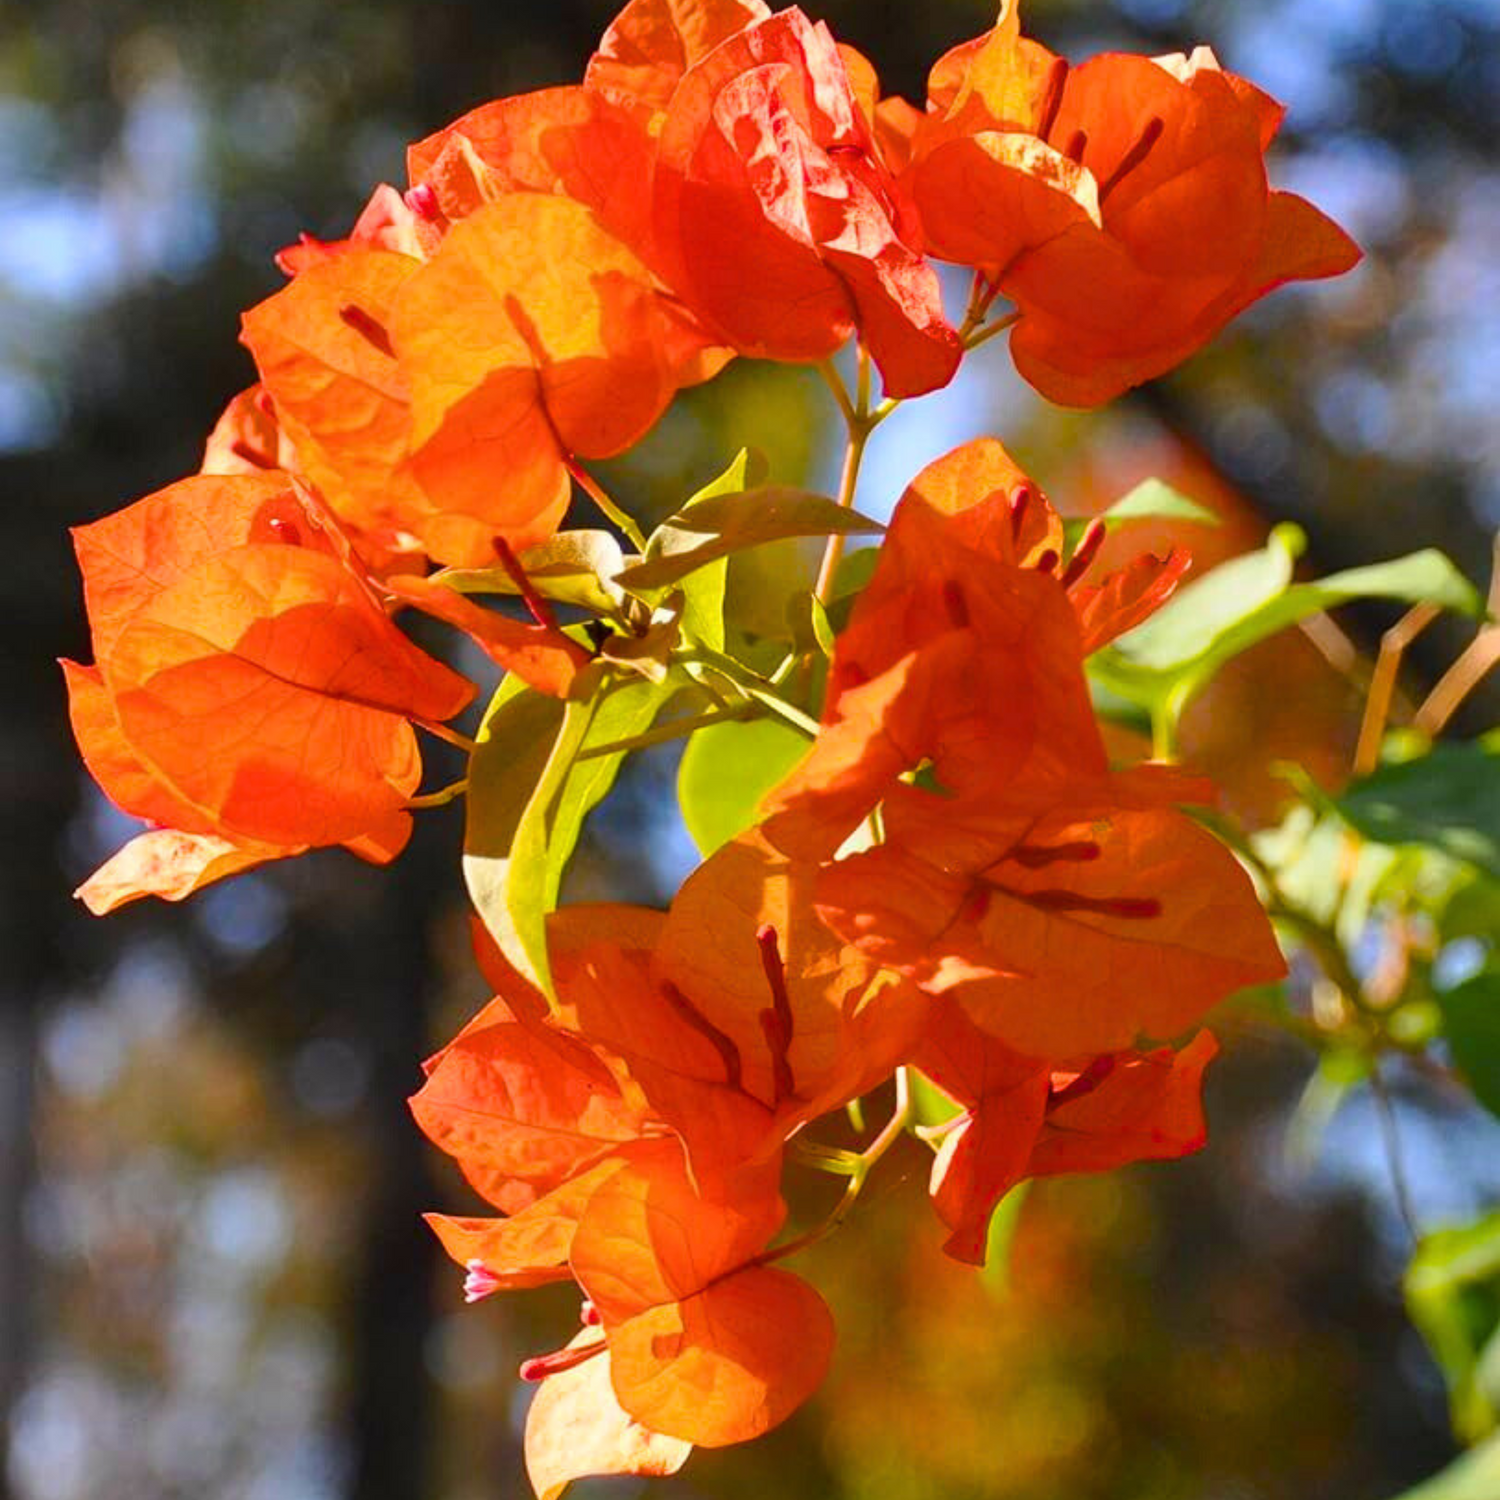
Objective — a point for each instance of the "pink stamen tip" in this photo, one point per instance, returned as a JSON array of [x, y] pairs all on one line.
[[422, 200], [588, 1314], [1084, 553], [480, 1282]]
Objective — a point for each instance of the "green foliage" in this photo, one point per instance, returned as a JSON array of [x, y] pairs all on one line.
[[532, 781], [1150, 500], [1163, 663], [726, 770], [1471, 1022], [715, 527], [1453, 1296], [1448, 799]]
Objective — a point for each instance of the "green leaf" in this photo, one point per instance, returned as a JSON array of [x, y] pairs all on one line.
[[929, 1104], [1163, 662], [995, 1274], [528, 796], [573, 567], [1453, 1297], [703, 589], [1150, 500], [1474, 1476], [722, 524], [1471, 1020], [1449, 799], [726, 770]]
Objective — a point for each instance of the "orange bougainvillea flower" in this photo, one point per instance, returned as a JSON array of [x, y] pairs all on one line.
[[577, 1428], [249, 689], [706, 1344], [776, 220], [813, 1021], [568, 141], [1075, 925], [1122, 205], [965, 650], [386, 222], [338, 395], [531, 336], [582, 1126], [652, 43], [1025, 1119]]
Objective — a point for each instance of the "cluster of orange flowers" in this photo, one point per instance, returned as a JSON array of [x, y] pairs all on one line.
[[954, 879]]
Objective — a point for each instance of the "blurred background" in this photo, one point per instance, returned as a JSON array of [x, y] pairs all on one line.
[[213, 1279]]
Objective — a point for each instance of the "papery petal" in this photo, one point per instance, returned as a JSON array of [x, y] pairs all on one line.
[[169, 865], [576, 1428], [652, 43], [539, 655], [322, 348], [1147, 1108]]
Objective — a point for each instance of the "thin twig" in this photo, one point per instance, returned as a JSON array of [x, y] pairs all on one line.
[[1377, 713], [1386, 1112], [592, 488], [444, 732]]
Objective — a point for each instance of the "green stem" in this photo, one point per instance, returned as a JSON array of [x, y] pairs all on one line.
[[991, 330], [859, 1168], [592, 488], [752, 686], [860, 420], [452, 736], [678, 729], [439, 798]]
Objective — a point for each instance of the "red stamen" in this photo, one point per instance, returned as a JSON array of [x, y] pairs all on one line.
[[536, 606], [264, 404], [1077, 145], [368, 327], [1020, 498], [540, 1366], [1052, 92], [422, 200], [1046, 560], [1132, 158], [1130, 908], [976, 904], [1084, 553], [777, 1023], [953, 602], [1037, 856], [286, 531], [729, 1054], [1085, 1083], [588, 1314], [246, 454]]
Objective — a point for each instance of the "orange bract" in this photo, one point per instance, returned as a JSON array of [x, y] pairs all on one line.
[[705, 1344], [576, 1428], [776, 220], [1121, 205], [1033, 1119], [532, 335], [248, 684]]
